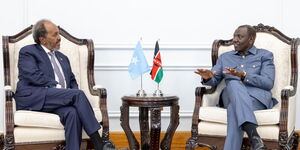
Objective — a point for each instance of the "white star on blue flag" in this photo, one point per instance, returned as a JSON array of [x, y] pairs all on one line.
[[138, 64]]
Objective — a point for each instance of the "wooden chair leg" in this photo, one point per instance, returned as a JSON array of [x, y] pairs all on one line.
[[296, 141]]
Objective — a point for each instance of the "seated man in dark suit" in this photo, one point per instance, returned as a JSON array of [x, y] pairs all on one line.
[[249, 74], [47, 84]]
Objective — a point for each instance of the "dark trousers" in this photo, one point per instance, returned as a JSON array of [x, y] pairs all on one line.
[[75, 112]]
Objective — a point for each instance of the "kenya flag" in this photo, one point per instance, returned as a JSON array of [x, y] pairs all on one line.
[[157, 71]]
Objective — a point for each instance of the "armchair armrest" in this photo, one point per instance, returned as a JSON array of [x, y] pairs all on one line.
[[8, 92], [198, 103], [287, 119], [96, 87], [9, 117], [7, 88], [199, 92], [101, 92], [289, 87]]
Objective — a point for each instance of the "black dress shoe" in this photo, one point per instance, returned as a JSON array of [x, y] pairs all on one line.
[[109, 146], [257, 143]]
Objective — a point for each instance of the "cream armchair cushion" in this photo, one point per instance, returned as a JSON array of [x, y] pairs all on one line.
[[264, 117], [27, 118]]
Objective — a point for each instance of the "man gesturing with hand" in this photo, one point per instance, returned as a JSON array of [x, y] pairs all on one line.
[[249, 75]]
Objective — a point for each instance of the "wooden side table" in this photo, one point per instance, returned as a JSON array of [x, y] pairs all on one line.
[[146, 103]]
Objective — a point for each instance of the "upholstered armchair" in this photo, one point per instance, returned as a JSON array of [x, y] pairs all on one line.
[[275, 126], [38, 130]]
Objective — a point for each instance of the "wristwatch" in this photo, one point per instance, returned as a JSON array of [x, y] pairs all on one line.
[[244, 75]]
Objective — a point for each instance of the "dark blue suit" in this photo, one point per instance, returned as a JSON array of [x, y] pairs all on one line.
[[35, 91]]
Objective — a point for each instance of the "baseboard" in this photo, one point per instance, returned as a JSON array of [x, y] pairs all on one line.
[[178, 142], [120, 139]]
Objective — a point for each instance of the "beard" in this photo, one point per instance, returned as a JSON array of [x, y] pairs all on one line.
[[53, 47]]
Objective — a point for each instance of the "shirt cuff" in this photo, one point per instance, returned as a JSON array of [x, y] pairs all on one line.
[[58, 86], [205, 82]]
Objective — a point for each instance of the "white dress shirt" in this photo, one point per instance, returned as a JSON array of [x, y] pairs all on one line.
[[59, 66]]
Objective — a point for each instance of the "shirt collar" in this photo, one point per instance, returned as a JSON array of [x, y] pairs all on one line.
[[252, 50], [46, 49]]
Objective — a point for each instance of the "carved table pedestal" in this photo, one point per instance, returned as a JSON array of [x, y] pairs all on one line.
[[150, 140]]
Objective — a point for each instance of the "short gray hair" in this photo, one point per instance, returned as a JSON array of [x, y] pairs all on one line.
[[251, 30], [39, 30]]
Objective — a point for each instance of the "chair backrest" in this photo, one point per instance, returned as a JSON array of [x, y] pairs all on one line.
[[79, 51], [284, 50]]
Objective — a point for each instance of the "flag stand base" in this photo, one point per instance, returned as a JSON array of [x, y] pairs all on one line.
[[141, 93], [158, 93]]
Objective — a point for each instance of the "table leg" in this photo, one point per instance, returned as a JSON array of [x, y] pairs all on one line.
[[174, 122], [144, 127], [133, 143], [155, 128]]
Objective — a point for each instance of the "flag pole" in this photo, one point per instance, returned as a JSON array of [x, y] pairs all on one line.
[[141, 82], [141, 92], [158, 92]]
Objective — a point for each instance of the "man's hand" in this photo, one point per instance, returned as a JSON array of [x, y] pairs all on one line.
[[205, 74], [234, 72]]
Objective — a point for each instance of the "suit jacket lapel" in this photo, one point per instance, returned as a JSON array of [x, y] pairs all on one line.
[[47, 61]]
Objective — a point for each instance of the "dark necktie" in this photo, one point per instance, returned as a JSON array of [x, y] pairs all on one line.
[[57, 70]]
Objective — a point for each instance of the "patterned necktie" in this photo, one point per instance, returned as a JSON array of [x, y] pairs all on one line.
[[57, 70]]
